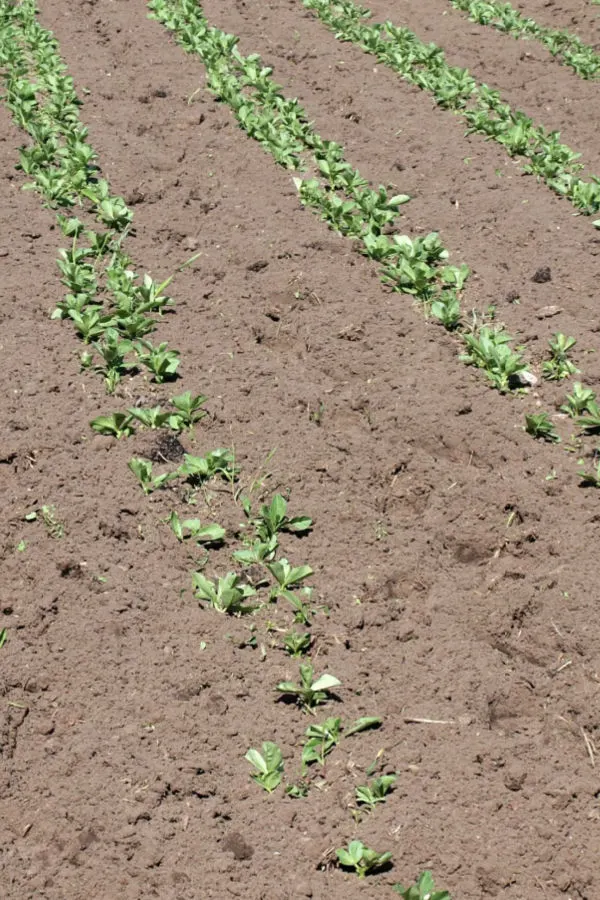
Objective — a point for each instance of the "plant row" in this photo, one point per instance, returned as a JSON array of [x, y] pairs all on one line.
[[569, 49], [486, 113], [111, 308], [28, 56]]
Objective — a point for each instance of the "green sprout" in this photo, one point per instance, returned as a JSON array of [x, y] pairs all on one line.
[[311, 691], [360, 858], [268, 766], [424, 889], [539, 426]]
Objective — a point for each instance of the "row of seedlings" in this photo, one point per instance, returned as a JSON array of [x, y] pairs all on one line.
[[484, 110]]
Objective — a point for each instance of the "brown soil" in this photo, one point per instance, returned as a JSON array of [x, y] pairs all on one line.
[[459, 578]]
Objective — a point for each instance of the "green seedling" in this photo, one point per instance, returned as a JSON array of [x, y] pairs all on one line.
[[287, 576], [116, 425], [424, 889], [591, 420], [192, 528], [578, 402], [142, 469], [370, 795], [189, 408], [112, 349], [489, 349], [297, 644], [198, 469], [3, 637], [321, 739], [47, 514], [302, 611], [134, 325], [311, 691], [539, 426], [273, 519], [268, 766], [225, 595], [90, 324], [559, 366], [160, 361], [361, 858], [297, 791], [590, 479], [260, 552], [151, 418]]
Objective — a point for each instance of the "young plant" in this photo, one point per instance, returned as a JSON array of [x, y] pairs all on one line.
[[47, 514], [189, 408], [590, 479], [203, 534], [225, 595], [591, 421], [311, 691], [297, 644], [539, 426], [160, 361], [117, 425], [142, 469], [287, 576], [370, 795], [578, 402], [489, 349], [424, 889], [268, 766], [361, 858], [198, 469], [559, 366], [259, 552], [150, 418], [272, 519]]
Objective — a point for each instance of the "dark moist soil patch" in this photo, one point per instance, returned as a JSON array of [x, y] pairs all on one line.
[[457, 556]]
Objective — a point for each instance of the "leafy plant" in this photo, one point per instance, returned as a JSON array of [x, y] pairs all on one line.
[[142, 469], [297, 644], [47, 514], [151, 418], [117, 425], [259, 552], [203, 534], [361, 858], [311, 691], [538, 425], [321, 739], [424, 889], [160, 361], [272, 519], [268, 765], [578, 402], [591, 478], [189, 408], [489, 349], [197, 469], [287, 576], [225, 595], [591, 421], [559, 365], [371, 794]]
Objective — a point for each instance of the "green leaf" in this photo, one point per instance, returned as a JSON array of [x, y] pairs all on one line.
[[325, 683]]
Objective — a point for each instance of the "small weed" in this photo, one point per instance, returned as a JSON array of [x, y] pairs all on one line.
[[3, 637]]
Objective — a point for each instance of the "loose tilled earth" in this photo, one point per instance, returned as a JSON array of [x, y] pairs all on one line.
[[461, 581]]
